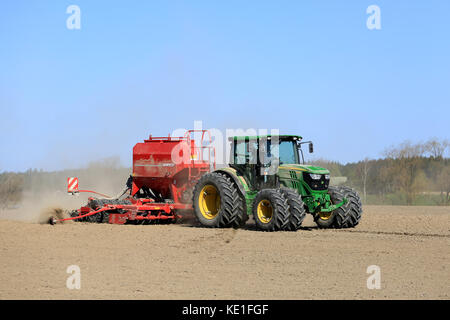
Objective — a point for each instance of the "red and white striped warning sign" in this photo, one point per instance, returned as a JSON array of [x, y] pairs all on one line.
[[72, 184]]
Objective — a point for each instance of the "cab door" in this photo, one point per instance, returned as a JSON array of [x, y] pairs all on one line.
[[245, 160]]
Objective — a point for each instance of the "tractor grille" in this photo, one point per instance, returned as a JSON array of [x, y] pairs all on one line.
[[294, 179], [293, 174], [321, 184]]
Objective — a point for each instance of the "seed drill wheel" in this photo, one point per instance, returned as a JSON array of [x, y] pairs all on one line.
[[346, 216], [271, 210], [217, 202]]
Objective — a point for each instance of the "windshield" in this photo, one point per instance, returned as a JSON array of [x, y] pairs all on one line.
[[287, 151], [247, 152]]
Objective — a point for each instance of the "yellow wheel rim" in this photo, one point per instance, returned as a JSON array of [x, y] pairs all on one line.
[[209, 202], [264, 211], [325, 215]]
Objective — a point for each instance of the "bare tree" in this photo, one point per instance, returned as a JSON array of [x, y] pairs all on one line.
[[443, 182], [405, 170], [363, 172], [11, 188], [436, 148]]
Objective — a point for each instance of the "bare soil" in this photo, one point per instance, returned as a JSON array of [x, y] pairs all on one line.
[[409, 244]]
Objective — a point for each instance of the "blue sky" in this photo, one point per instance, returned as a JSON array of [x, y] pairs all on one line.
[[313, 68]]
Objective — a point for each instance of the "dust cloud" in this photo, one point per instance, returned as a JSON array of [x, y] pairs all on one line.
[[45, 193]]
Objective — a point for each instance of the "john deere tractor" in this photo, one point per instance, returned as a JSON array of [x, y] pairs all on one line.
[[267, 178]]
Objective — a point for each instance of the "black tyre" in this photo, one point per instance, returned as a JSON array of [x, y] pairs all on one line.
[[296, 209], [270, 210], [216, 201], [95, 204], [346, 216], [105, 216], [353, 208], [241, 215]]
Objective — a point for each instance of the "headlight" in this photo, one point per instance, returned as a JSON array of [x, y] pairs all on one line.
[[315, 176], [327, 176]]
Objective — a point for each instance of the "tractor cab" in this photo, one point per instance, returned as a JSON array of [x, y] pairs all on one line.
[[258, 158]]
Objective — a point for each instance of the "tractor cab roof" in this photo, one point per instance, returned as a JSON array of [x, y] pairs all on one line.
[[268, 136]]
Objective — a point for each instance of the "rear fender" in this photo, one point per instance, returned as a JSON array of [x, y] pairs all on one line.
[[237, 178]]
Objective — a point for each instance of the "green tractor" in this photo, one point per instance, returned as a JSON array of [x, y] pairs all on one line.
[[267, 178]]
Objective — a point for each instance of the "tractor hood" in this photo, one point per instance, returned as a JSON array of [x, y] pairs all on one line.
[[305, 168]]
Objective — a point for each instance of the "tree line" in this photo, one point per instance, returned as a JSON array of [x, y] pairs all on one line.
[[409, 173]]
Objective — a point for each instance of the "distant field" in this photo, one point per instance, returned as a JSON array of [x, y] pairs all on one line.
[[422, 199]]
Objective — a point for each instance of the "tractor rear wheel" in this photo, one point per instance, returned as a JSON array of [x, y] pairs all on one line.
[[217, 202], [270, 210], [241, 215], [296, 209], [346, 216]]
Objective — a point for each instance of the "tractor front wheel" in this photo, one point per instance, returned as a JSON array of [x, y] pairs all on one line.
[[270, 210], [346, 216], [353, 208], [296, 209]]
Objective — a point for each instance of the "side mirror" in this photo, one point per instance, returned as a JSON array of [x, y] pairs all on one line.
[[311, 147]]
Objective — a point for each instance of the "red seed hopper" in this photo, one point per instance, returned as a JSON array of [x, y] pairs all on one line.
[[165, 170]]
